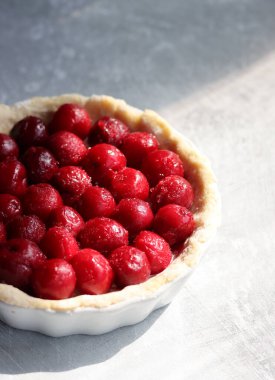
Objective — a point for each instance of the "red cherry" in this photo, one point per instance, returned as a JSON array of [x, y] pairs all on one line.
[[66, 217], [129, 183], [72, 118], [29, 131], [103, 235], [130, 266], [54, 279], [3, 233], [96, 201], [157, 250], [40, 163], [137, 145], [26, 227], [18, 258], [41, 200], [174, 223], [160, 164], [134, 214], [10, 207], [68, 148], [13, 177], [93, 272], [108, 130], [172, 189], [72, 182], [178, 249], [8, 147], [59, 243], [101, 161]]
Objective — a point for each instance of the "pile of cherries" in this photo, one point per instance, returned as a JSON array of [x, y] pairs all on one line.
[[87, 207]]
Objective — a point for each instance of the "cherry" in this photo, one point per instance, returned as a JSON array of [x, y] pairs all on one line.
[[41, 200], [66, 217], [54, 279], [174, 223], [129, 183], [72, 118], [93, 272], [178, 249], [59, 243], [130, 266], [96, 201], [134, 214], [13, 177], [101, 161], [26, 227], [108, 130], [40, 163], [172, 189], [72, 182], [103, 234], [29, 131], [67, 148], [160, 164], [10, 207], [18, 258], [137, 145], [8, 147], [157, 250], [3, 233]]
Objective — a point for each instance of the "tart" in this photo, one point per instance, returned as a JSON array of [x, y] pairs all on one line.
[[203, 201]]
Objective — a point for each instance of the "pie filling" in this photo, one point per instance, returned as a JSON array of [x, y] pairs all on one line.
[[90, 206]]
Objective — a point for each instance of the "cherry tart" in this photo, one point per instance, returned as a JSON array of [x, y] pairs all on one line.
[[97, 197]]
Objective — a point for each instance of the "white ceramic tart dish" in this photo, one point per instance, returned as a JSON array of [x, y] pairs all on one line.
[[97, 314]]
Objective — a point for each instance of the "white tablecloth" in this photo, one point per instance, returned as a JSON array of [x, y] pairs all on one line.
[[221, 325]]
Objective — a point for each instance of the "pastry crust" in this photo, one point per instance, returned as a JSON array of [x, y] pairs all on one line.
[[206, 207]]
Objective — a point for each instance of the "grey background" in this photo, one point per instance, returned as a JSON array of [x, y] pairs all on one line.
[[149, 52], [154, 54]]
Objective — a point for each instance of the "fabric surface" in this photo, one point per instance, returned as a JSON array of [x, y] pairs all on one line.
[[221, 325]]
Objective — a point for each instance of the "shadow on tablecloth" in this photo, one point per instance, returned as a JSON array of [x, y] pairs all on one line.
[[26, 352]]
